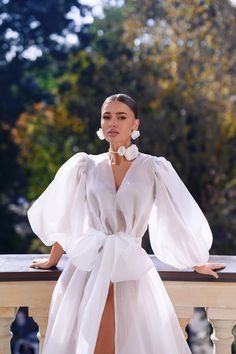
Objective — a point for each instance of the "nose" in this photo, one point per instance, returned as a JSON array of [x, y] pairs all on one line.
[[113, 121]]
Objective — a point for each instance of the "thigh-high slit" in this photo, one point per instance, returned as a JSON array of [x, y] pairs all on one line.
[[106, 335]]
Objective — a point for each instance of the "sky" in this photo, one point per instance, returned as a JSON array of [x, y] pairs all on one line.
[[97, 9], [32, 54], [97, 3]]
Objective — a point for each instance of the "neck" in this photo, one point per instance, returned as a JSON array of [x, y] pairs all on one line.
[[115, 146], [115, 158]]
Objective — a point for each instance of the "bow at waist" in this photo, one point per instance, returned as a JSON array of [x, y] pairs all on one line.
[[120, 252]]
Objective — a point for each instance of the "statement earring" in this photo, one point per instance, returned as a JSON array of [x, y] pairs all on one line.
[[100, 134], [135, 134]]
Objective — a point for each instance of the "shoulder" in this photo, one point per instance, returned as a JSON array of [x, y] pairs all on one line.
[[80, 158], [78, 161], [158, 165], [154, 160], [95, 160], [83, 160]]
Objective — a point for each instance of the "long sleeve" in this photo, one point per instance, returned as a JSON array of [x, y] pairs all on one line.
[[179, 232], [59, 213]]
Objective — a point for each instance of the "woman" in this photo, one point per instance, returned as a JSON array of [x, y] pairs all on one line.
[[110, 299]]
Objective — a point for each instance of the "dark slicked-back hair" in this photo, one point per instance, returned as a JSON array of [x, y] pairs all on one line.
[[122, 97]]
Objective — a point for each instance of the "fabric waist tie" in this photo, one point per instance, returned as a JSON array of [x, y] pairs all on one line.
[[116, 257], [128, 260]]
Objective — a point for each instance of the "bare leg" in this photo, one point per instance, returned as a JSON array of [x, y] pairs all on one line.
[[106, 334]]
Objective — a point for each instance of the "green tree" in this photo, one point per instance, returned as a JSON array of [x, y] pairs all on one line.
[[175, 59], [26, 25]]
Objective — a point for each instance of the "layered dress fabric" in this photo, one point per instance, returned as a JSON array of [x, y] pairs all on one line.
[[101, 231]]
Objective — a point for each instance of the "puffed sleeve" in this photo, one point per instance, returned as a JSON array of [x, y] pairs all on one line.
[[179, 232], [59, 213]]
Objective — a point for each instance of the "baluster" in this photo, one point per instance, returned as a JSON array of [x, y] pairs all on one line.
[[184, 316], [223, 321], [7, 316], [40, 316]]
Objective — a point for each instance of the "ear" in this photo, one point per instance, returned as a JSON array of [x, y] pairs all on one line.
[[136, 124]]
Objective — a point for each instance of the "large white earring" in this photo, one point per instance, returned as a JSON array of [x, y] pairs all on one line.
[[135, 134], [100, 134]]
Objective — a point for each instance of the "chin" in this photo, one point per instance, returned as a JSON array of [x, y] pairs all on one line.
[[114, 138]]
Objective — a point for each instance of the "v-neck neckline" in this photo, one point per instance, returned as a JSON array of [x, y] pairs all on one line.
[[116, 191]]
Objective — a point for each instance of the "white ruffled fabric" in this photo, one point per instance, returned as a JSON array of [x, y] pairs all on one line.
[[101, 230], [59, 212], [179, 232]]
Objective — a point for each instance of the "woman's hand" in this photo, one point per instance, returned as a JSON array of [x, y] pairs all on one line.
[[41, 263], [47, 263], [208, 268]]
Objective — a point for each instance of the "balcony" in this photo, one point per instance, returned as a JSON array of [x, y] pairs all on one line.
[[24, 286]]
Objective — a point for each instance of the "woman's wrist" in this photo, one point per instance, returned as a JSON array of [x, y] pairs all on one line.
[[55, 255], [51, 263]]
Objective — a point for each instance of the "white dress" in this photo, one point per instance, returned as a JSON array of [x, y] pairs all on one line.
[[101, 231]]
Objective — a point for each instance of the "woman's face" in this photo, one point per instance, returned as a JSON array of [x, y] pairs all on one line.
[[117, 122]]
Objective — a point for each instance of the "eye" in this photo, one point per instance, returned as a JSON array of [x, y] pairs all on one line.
[[106, 117], [122, 117]]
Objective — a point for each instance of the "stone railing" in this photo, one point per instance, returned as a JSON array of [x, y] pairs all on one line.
[[24, 286]]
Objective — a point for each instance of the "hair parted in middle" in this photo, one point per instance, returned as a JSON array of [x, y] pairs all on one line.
[[122, 97]]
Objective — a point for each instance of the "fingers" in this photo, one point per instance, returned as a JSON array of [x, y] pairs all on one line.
[[218, 266], [209, 269], [39, 263], [214, 274], [35, 265]]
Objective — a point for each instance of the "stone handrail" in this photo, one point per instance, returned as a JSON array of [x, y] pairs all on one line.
[[24, 286]]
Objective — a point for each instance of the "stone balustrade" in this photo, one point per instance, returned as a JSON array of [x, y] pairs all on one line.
[[24, 286]]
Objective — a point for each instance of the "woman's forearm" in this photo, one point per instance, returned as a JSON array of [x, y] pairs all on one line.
[[55, 254]]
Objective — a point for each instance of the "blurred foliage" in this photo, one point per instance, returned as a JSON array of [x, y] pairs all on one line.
[[36, 23], [177, 59], [25, 26], [40, 133], [190, 48]]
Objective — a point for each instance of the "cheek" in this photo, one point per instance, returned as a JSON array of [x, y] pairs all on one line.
[[128, 126]]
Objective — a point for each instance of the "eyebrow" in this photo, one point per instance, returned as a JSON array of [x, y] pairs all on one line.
[[116, 113]]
